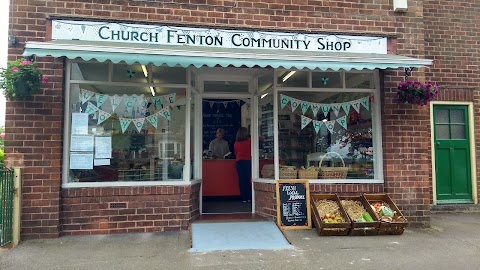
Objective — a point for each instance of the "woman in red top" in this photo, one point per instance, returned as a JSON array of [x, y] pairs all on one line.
[[243, 153]]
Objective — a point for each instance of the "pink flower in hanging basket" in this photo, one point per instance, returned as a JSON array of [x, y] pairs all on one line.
[[416, 92]]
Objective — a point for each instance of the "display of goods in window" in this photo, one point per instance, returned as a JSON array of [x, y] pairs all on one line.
[[308, 173], [328, 215]]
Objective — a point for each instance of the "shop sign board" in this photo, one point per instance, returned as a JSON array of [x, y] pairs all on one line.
[[293, 204], [218, 38]]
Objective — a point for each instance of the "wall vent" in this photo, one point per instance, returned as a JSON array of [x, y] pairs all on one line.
[[117, 205]]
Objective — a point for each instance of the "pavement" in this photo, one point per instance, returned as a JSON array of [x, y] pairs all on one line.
[[452, 242]]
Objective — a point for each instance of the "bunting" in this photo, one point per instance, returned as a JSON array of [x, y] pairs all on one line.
[[102, 116], [305, 121], [85, 95], [325, 108], [101, 98], [342, 121], [115, 101]]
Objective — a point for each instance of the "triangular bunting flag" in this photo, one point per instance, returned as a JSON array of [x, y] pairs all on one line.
[[101, 98], [165, 112], [85, 95], [124, 123], [153, 119], [356, 105], [315, 108], [304, 105], [157, 101], [138, 123], [305, 121], [130, 102], [317, 125], [225, 104], [238, 102], [330, 125], [170, 98], [342, 121], [365, 102], [294, 103], [144, 102], [346, 107], [91, 109], [284, 101], [115, 101], [336, 108], [325, 109], [102, 116], [211, 104]]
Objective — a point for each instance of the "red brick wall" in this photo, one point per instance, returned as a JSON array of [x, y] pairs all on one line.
[[144, 209], [37, 145], [452, 40]]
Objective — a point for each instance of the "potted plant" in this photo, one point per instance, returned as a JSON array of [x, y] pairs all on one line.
[[416, 92], [21, 79]]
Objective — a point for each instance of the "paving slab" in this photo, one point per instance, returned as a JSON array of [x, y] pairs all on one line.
[[453, 242]]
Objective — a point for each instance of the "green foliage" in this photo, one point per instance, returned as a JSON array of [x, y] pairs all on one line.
[[2, 157], [21, 79]]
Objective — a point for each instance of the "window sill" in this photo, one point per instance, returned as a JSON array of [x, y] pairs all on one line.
[[328, 181], [130, 184]]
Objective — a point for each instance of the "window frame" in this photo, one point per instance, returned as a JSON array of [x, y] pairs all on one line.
[[376, 125], [67, 131]]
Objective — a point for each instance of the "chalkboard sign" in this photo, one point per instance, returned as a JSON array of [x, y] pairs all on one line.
[[293, 204]]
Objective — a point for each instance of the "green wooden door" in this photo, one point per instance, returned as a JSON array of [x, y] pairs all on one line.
[[452, 154]]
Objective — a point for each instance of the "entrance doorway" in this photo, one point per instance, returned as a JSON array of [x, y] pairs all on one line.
[[226, 106], [452, 146]]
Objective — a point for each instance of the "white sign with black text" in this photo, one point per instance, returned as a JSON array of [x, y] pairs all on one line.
[[220, 38]]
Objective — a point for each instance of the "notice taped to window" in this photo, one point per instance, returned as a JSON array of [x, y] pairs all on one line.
[[293, 204]]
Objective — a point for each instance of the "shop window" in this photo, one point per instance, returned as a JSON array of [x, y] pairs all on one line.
[[226, 86], [360, 80], [134, 73], [89, 71], [169, 75], [327, 127], [292, 78], [266, 132], [125, 134], [327, 80]]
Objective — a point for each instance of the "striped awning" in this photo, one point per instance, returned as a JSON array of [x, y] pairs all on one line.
[[213, 57]]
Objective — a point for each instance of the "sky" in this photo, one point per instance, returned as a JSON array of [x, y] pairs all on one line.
[[4, 7]]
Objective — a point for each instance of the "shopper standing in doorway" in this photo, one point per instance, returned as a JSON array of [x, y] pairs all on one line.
[[243, 154]]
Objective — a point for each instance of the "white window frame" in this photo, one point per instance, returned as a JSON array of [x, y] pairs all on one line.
[[67, 127], [376, 125]]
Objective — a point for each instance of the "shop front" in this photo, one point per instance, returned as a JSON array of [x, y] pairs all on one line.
[[144, 102]]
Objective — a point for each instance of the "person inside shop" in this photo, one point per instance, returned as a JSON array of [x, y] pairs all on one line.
[[219, 146], [243, 154]]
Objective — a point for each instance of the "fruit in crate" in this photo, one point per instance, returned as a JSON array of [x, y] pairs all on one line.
[[385, 213], [329, 211]]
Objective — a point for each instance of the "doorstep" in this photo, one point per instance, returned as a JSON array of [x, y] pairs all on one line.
[[246, 217], [459, 208]]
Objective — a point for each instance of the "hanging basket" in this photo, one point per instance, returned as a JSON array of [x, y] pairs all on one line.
[[332, 172]]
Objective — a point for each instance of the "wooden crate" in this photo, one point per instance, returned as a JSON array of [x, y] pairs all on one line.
[[363, 228], [329, 229], [388, 228]]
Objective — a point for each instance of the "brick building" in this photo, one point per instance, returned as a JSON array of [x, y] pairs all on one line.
[[116, 141]]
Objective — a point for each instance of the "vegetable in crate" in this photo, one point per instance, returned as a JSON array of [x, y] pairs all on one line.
[[385, 213], [356, 211]]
